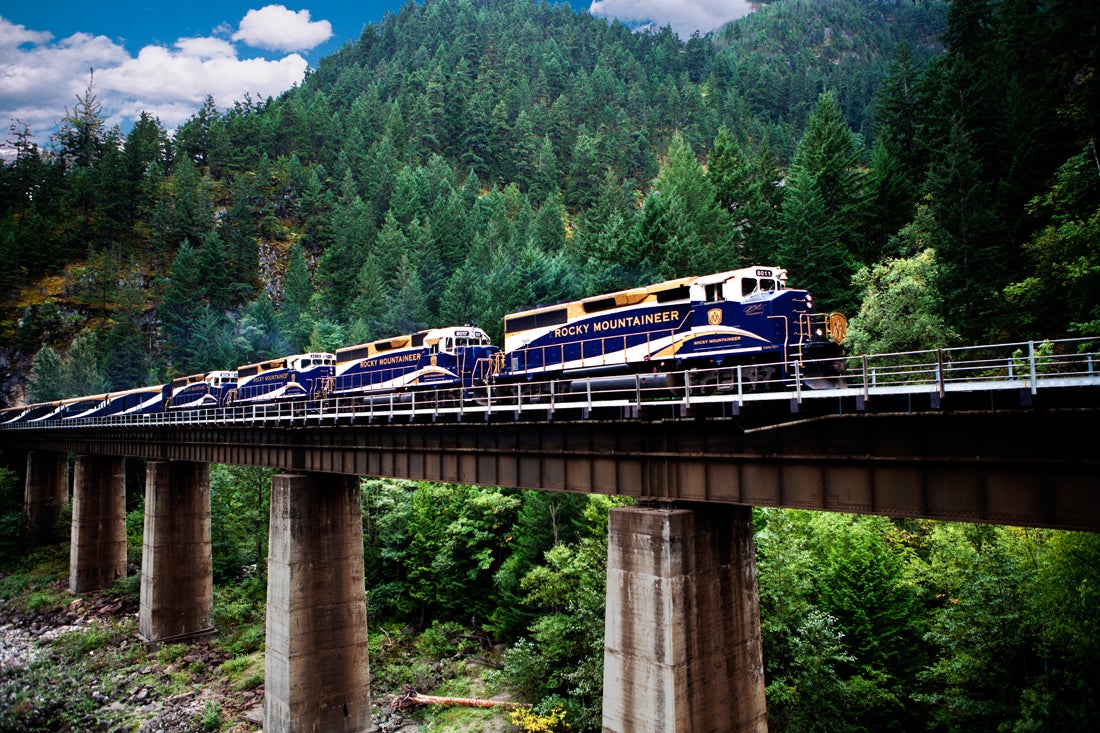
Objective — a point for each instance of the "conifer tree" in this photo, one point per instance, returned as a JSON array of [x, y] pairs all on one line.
[[294, 315], [260, 330], [967, 236], [340, 263], [82, 375], [371, 303], [125, 359], [408, 310], [183, 302], [215, 273], [46, 382]]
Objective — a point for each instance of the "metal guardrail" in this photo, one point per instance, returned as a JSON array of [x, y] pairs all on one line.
[[1024, 366]]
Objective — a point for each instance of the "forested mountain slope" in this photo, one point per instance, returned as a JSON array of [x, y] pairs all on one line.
[[466, 158]]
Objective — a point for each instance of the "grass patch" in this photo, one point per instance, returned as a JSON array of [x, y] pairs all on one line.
[[171, 653], [76, 644], [42, 571], [245, 673], [457, 717]]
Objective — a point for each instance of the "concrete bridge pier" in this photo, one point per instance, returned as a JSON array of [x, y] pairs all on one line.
[[97, 555], [177, 582], [46, 493], [682, 648], [316, 669]]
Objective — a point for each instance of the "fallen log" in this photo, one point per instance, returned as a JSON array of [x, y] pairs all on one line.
[[412, 697]]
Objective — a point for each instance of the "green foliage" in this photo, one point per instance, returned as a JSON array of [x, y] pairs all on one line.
[[456, 538], [11, 516], [560, 660], [900, 310], [245, 672], [212, 717], [821, 206], [240, 499], [45, 383]]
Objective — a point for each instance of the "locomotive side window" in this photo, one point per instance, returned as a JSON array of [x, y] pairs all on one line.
[[748, 286], [714, 292], [542, 319], [681, 292]]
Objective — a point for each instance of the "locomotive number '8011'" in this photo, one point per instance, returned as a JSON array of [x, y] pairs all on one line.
[[713, 324]]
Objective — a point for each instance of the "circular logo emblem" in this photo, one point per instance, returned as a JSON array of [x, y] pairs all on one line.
[[837, 327]]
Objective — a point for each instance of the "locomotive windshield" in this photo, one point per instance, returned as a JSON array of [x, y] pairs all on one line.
[[752, 286]]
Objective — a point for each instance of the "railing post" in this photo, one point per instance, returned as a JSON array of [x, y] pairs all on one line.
[[798, 382], [1031, 366], [866, 385], [740, 388], [939, 372]]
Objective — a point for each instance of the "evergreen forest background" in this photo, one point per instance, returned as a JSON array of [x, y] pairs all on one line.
[[929, 168]]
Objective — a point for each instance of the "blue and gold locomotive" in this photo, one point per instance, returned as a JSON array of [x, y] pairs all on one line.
[[439, 358], [211, 389], [302, 376], [746, 319]]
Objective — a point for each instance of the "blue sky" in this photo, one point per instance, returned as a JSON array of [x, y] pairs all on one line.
[[164, 58]]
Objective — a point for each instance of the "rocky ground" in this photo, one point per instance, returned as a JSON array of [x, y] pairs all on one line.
[[78, 665], [81, 667]]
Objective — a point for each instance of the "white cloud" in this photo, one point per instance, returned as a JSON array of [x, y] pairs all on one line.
[[12, 35], [274, 28], [194, 70], [685, 16], [41, 78]]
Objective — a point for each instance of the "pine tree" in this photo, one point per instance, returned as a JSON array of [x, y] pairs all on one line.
[[46, 382], [294, 315], [810, 243], [82, 375], [260, 330], [371, 303], [967, 237], [829, 151], [352, 239], [183, 302], [215, 273], [125, 360], [408, 310]]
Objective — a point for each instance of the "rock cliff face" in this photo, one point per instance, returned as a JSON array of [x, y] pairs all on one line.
[[12, 378], [52, 312]]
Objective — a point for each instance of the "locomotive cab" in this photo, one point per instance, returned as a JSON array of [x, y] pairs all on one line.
[[739, 286], [207, 389]]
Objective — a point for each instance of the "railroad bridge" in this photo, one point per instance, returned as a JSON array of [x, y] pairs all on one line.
[[1005, 443]]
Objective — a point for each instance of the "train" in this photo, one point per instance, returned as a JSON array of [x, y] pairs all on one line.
[[741, 327]]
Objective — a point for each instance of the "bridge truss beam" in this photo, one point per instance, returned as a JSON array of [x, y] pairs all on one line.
[[1032, 468]]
